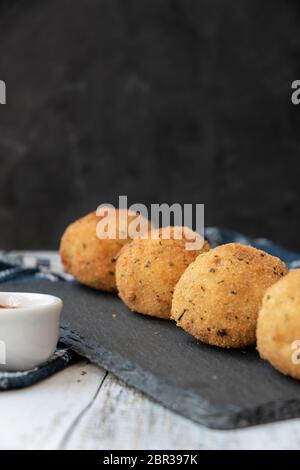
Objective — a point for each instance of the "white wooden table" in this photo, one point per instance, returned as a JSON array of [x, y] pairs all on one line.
[[84, 407]]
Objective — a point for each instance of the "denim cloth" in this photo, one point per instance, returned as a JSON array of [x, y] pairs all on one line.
[[60, 360], [218, 236], [23, 266]]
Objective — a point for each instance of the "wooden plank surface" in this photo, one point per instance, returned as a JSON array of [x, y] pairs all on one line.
[[222, 389], [82, 407], [122, 418], [40, 417]]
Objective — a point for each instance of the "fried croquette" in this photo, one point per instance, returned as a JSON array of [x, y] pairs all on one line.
[[148, 270], [218, 297], [92, 260], [278, 325]]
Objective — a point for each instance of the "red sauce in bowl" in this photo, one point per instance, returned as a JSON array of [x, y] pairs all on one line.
[[7, 306]]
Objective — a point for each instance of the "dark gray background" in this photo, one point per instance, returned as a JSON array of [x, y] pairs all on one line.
[[163, 100]]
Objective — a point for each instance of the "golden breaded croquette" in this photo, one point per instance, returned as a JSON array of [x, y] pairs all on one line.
[[278, 325], [218, 297], [148, 270], [88, 258]]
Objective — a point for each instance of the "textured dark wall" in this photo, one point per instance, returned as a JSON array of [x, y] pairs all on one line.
[[162, 100]]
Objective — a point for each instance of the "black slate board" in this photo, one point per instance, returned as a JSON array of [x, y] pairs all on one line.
[[223, 389]]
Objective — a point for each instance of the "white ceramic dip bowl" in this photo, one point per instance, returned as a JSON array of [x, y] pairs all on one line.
[[29, 329]]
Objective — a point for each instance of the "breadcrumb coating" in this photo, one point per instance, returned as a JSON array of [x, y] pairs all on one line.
[[278, 325], [218, 297], [148, 270], [88, 258]]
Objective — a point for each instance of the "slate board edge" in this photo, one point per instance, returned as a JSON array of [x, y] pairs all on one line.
[[187, 404]]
